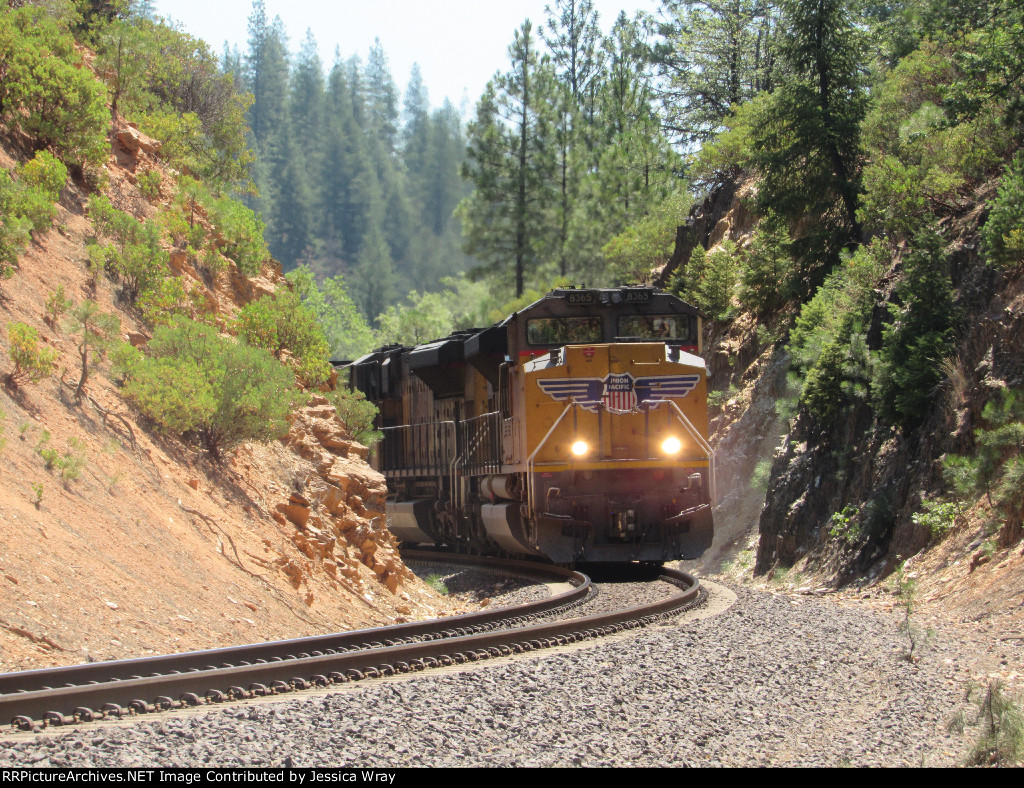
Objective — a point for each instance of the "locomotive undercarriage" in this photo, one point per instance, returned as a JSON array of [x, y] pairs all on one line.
[[652, 514], [587, 516]]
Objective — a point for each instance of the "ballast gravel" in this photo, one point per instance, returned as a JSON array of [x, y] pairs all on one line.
[[773, 680]]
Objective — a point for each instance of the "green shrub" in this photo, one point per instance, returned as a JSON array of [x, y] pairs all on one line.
[[212, 261], [45, 90], [846, 525], [27, 205], [1002, 237], [56, 305], [95, 332], [124, 357], [920, 336], [174, 225], [50, 457], [149, 184], [356, 413], [178, 394], [731, 149], [281, 322], [95, 263], [762, 475], [136, 256], [182, 97], [938, 517], [423, 317], [69, 464], [243, 233], [167, 299], [45, 172], [716, 399], [922, 157], [32, 363], [15, 227], [72, 461], [635, 254], [222, 391]]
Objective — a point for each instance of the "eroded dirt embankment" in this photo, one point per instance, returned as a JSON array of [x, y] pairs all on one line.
[[153, 548]]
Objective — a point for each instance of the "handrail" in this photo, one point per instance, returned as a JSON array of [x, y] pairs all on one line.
[[431, 464], [533, 456], [687, 425], [472, 443], [701, 441]]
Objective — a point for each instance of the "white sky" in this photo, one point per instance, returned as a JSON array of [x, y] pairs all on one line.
[[459, 44]]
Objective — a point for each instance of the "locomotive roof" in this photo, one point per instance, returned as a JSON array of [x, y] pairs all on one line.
[[475, 343], [580, 300]]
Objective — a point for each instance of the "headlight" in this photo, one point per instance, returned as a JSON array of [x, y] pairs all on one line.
[[579, 448], [671, 445]]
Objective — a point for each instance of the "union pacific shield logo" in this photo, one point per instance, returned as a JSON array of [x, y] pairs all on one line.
[[618, 391]]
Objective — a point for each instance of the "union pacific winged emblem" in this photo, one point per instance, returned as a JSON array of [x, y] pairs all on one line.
[[618, 392]]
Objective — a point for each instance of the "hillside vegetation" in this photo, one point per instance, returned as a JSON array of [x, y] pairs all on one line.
[[174, 471], [864, 274]]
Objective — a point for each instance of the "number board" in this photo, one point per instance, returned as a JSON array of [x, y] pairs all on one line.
[[581, 297], [637, 296]]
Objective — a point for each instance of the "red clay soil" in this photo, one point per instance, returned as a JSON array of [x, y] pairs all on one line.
[[154, 548]]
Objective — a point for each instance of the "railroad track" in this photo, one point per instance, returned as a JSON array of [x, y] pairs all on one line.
[[84, 693]]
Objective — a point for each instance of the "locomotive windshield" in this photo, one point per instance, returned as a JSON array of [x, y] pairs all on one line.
[[563, 330], [659, 327]]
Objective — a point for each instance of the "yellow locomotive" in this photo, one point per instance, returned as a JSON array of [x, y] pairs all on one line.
[[576, 429]]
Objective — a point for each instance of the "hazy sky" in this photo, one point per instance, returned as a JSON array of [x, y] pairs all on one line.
[[459, 44]]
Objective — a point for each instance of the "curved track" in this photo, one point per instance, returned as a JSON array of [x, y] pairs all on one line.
[[83, 693]]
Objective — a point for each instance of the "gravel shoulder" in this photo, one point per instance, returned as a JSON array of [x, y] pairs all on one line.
[[752, 679]]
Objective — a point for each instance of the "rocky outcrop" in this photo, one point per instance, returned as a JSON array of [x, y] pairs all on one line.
[[132, 140], [708, 224], [338, 517], [883, 473]]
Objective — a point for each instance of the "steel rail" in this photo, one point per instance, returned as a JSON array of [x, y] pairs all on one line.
[[120, 670], [178, 687]]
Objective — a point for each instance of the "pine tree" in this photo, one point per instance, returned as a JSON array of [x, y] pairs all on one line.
[[347, 181], [446, 154], [416, 140], [807, 138], [374, 285], [767, 268], [632, 168], [307, 98], [572, 35], [95, 332], [509, 163], [296, 157], [714, 54], [921, 334], [416, 110], [382, 97], [266, 74]]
